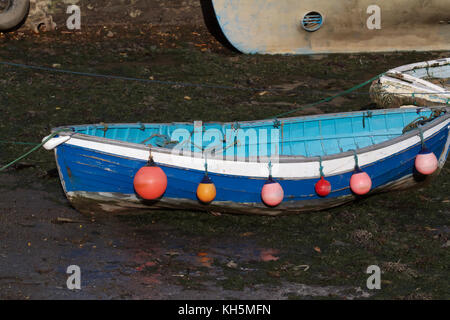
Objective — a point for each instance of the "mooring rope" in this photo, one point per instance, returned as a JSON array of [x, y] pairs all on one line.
[[331, 98], [115, 77], [186, 84], [18, 143], [32, 150]]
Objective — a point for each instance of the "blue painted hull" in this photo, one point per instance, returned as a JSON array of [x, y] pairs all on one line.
[[97, 181]]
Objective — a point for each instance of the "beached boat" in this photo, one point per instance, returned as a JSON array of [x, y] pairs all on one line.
[[97, 163], [333, 26], [422, 84]]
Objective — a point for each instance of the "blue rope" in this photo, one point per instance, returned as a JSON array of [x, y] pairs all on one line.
[[114, 77], [185, 84]]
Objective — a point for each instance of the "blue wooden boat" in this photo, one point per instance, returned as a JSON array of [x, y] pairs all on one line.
[[339, 26], [423, 84], [97, 163]]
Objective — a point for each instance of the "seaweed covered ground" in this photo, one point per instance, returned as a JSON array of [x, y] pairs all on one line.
[[196, 255]]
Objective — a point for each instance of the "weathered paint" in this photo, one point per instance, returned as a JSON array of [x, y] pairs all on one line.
[[94, 203], [274, 26], [414, 84]]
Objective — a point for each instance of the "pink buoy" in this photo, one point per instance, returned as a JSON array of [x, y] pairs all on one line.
[[426, 162], [360, 182], [272, 193], [323, 187]]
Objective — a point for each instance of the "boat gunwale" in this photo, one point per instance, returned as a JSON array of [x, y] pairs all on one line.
[[281, 158], [407, 80], [420, 65]]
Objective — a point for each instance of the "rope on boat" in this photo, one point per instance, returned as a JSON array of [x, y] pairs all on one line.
[[422, 139], [270, 169], [32, 150], [356, 159], [420, 121], [321, 167]]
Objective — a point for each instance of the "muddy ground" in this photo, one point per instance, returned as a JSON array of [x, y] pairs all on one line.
[[195, 255]]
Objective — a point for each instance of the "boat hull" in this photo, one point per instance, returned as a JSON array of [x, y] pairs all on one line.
[[412, 85], [97, 181], [274, 26], [95, 203]]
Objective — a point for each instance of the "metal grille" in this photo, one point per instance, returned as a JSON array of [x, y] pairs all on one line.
[[312, 21]]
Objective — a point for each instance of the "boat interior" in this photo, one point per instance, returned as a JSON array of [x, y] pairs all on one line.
[[309, 136]]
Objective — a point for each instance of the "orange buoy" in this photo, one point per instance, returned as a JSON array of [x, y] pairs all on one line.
[[360, 182], [206, 190], [150, 182], [426, 161], [272, 193], [323, 187]]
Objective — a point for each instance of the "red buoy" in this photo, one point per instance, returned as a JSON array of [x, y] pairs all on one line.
[[150, 182], [360, 182], [426, 162], [323, 187], [272, 193]]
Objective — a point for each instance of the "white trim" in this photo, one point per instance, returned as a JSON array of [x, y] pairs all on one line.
[[423, 64], [300, 170]]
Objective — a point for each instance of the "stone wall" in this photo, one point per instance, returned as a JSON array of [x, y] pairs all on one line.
[[108, 12]]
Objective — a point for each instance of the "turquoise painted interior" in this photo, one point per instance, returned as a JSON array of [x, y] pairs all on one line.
[[303, 136]]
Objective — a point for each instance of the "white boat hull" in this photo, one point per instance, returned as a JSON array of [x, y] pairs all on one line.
[[275, 26]]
